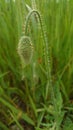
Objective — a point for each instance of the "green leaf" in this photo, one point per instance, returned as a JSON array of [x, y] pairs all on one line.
[[3, 126], [24, 116]]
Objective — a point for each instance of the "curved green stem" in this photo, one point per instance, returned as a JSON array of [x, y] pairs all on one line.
[[47, 51], [42, 29]]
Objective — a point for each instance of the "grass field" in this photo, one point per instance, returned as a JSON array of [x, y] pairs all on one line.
[[36, 65]]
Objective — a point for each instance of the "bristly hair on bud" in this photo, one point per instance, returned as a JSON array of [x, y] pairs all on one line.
[[25, 49]]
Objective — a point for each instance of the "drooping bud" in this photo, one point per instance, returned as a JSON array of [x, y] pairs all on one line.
[[25, 49]]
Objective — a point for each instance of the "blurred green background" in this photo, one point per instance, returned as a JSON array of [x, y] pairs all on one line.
[[17, 96]]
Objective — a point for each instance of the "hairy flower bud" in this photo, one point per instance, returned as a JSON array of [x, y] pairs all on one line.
[[25, 49]]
